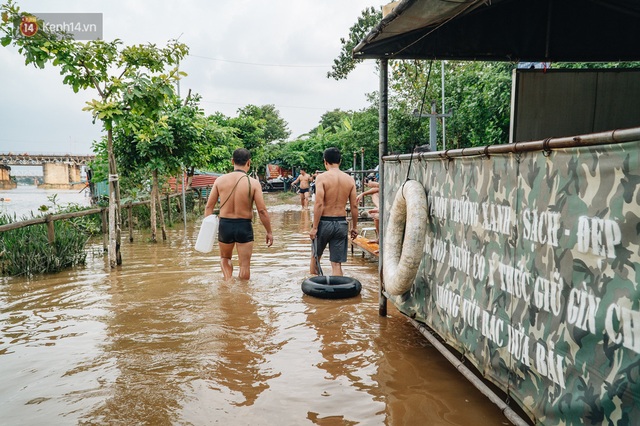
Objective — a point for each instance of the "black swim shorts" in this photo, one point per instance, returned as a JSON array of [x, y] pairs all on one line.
[[235, 230], [333, 230], [303, 190]]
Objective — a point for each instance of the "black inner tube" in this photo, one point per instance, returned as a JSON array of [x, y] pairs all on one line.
[[331, 287]]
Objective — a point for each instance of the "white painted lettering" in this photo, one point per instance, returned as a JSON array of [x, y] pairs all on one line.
[[599, 235], [438, 207], [448, 301], [581, 309], [543, 228], [492, 327], [515, 281], [550, 365], [470, 312], [459, 258], [622, 325], [518, 345], [547, 294]]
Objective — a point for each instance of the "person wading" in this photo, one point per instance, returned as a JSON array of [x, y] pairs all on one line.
[[238, 192], [304, 179], [333, 189]]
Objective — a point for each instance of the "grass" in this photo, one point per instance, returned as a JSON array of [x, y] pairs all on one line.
[[26, 251]]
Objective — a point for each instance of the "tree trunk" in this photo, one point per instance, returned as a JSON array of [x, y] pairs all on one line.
[[162, 225], [114, 206], [152, 205]]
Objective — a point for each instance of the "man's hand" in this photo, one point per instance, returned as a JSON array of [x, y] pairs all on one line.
[[313, 233], [269, 240], [354, 234]]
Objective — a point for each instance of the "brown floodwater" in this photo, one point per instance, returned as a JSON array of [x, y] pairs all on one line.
[[163, 340]]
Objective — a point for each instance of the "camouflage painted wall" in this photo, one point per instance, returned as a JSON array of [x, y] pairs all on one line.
[[530, 269]]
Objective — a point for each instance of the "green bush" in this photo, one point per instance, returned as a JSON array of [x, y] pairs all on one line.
[[26, 251]]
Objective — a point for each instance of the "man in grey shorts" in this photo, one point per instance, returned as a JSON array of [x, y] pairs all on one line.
[[333, 189]]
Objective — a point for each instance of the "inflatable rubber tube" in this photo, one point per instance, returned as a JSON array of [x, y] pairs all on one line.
[[404, 237], [331, 287]]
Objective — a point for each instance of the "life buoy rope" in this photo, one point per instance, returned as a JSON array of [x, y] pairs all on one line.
[[404, 237]]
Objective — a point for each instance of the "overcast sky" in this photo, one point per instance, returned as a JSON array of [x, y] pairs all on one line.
[[241, 52]]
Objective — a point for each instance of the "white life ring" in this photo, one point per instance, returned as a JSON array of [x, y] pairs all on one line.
[[404, 237]]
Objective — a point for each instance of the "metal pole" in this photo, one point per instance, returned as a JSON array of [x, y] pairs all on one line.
[[508, 412], [444, 143], [433, 128], [383, 131], [362, 176]]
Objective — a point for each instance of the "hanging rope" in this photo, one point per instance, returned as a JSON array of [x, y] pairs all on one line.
[[417, 128]]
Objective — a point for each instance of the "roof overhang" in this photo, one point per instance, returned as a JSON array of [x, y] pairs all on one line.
[[507, 30]]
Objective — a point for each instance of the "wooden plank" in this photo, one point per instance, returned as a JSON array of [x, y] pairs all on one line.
[[364, 244]]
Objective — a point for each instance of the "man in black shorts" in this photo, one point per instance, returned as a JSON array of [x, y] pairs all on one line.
[[333, 189], [304, 179], [237, 192]]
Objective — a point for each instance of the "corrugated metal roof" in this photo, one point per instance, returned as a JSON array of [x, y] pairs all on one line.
[[508, 30]]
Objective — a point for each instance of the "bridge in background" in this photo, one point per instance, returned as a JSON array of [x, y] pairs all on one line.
[[60, 171]]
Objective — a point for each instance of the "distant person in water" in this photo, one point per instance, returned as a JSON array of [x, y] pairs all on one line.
[[333, 189], [238, 192], [304, 179]]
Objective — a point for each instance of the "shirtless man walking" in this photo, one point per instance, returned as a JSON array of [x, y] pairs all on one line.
[[305, 180], [333, 189], [237, 192]]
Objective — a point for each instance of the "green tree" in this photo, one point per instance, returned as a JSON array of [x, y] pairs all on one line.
[[167, 140], [109, 69], [275, 127], [349, 131], [256, 128], [479, 93], [345, 63]]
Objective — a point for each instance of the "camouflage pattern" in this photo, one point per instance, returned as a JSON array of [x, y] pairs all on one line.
[[530, 269]]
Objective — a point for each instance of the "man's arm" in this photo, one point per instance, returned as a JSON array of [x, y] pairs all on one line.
[[211, 201], [353, 206], [264, 215], [318, 208], [367, 192]]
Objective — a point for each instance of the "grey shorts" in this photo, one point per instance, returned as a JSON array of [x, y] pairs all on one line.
[[333, 231]]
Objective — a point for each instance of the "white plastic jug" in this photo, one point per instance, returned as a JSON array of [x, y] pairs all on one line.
[[208, 234]]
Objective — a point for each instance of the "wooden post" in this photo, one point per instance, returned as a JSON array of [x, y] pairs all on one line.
[[130, 218], [179, 204], [383, 129], [169, 208], [152, 206], [105, 230], [51, 233], [162, 225]]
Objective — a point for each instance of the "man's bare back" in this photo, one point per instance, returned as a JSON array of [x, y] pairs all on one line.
[[236, 192], [335, 199], [334, 189]]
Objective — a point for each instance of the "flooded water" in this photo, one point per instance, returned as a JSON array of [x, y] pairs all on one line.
[[163, 340], [29, 198]]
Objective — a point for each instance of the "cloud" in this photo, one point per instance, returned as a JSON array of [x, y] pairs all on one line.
[[242, 52]]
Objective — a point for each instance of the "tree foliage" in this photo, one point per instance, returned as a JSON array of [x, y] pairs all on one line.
[[345, 63]]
